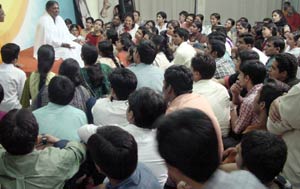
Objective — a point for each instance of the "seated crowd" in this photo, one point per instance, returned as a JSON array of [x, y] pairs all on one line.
[[165, 104]]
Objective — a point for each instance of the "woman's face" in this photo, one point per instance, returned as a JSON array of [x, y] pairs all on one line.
[[149, 25], [276, 17], [75, 31], [266, 32], [290, 40], [228, 24], [242, 30], [160, 19], [189, 20], [139, 35], [170, 30], [213, 21], [194, 28], [97, 25], [128, 22]]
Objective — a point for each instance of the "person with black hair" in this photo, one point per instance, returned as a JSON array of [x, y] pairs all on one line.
[[177, 91], [264, 155], [46, 168], [188, 22], [116, 22], [161, 19], [284, 68], [182, 16], [203, 68], [39, 79], [128, 25], [147, 74], [122, 47], [12, 78], [95, 76], [115, 154], [89, 23], [188, 142], [58, 118], [95, 36], [230, 29], [112, 110], [252, 75], [164, 53], [1, 98], [184, 52], [140, 34], [196, 38], [106, 52], [274, 45], [215, 20], [292, 44]]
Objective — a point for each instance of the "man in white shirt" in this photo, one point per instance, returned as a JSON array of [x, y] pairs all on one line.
[[204, 67], [52, 30], [12, 79], [184, 52]]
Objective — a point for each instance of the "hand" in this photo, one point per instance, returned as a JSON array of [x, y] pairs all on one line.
[[274, 113], [236, 89], [50, 139]]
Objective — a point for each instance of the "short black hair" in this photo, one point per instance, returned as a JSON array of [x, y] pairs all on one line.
[[278, 42], [201, 16], [61, 90], [10, 52], [49, 4], [205, 65], [287, 62], [184, 13], [112, 35], [123, 82], [114, 151], [247, 38], [18, 131], [231, 21], [217, 35], [182, 33], [180, 78], [255, 70], [217, 46], [147, 106], [183, 139], [147, 51], [1, 93], [263, 154], [90, 18], [271, 90], [216, 15], [71, 69], [245, 55], [162, 14]]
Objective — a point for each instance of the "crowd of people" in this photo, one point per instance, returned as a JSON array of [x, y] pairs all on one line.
[[154, 104]]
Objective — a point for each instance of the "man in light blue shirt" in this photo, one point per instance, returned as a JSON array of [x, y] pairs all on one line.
[[147, 74], [58, 118]]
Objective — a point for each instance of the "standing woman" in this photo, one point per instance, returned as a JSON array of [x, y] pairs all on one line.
[[161, 20], [128, 26], [40, 78]]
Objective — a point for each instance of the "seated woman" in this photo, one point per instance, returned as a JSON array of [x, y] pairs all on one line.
[[106, 52], [128, 26], [164, 54], [95, 76], [122, 46], [40, 78], [75, 30], [95, 36]]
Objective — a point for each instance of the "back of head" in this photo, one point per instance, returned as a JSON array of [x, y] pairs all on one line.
[[123, 82], [182, 33], [255, 70], [184, 138], [218, 47], [10, 52], [114, 151], [71, 69], [89, 54], [271, 90], [205, 65], [263, 154], [245, 55], [146, 106], [106, 48], [180, 78], [247, 38], [18, 132], [278, 42], [287, 62], [217, 35], [112, 35], [46, 57], [61, 90], [147, 51]]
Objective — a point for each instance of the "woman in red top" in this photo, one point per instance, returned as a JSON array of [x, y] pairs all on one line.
[[95, 37]]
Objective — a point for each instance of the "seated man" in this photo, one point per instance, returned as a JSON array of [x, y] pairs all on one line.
[[177, 90], [107, 111], [12, 79], [204, 68], [188, 142], [52, 30], [147, 74], [58, 118], [23, 167], [284, 68], [252, 75], [263, 154], [114, 152]]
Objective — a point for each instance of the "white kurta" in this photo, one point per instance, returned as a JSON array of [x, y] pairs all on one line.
[[54, 34]]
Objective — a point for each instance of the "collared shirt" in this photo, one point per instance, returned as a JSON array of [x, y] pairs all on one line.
[[161, 61], [12, 80], [107, 112], [142, 178], [48, 168], [223, 68], [148, 75], [247, 116], [184, 54], [191, 100], [60, 121], [218, 97]]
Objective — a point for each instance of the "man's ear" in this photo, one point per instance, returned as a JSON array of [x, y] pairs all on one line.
[[284, 75], [262, 105], [247, 78]]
